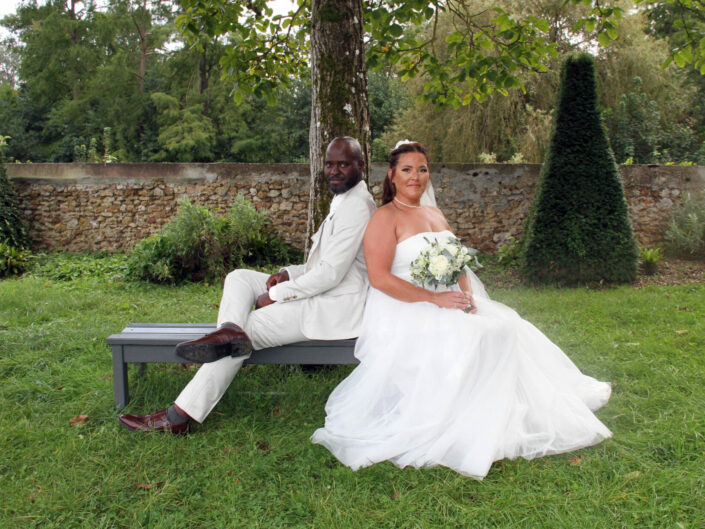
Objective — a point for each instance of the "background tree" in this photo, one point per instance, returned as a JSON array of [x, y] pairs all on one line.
[[339, 104], [10, 61], [13, 231], [486, 53], [578, 230], [683, 23], [518, 126], [117, 92], [387, 99], [448, 52], [83, 69]]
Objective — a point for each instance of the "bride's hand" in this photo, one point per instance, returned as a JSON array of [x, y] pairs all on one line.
[[454, 300], [472, 308]]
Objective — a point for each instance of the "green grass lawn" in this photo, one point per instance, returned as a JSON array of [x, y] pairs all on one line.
[[251, 464]]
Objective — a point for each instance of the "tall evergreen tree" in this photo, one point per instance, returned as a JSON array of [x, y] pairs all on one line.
[[578, 229], [12, 227]]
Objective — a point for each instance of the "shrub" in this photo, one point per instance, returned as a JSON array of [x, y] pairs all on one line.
[[152, 260], [12, 227], [509, 253], [199, 245], [686, 231], [578, 230], [649, 259], [636, 126], [64, 266], [13, 261]]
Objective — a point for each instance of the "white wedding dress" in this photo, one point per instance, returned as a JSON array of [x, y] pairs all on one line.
[[442, 387]]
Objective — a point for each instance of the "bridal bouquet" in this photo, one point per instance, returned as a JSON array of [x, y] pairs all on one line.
[[442, 263]]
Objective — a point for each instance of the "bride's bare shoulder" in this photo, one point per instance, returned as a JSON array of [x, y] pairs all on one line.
[[380, 236], [437, 218], [433, 210], [384, 213], [383, 219]]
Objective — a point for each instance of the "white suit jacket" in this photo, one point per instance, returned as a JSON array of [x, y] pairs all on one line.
[[333, 282]]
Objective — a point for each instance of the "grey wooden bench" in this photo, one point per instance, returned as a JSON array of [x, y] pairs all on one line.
[[143, 343]]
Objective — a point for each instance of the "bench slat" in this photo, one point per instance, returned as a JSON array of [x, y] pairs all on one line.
[[143, 343]]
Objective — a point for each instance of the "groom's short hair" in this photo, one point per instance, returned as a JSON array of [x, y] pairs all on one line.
[[354, 145]]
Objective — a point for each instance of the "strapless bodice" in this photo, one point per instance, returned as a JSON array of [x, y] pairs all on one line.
[[408, 249]]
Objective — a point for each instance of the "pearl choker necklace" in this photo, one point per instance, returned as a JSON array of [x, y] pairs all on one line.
[[407, 205]]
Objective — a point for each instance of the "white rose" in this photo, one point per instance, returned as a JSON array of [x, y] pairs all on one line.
[[439, 266], [451, 248]]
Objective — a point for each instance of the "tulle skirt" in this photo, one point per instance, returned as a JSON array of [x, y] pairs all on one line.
[[441, 387]]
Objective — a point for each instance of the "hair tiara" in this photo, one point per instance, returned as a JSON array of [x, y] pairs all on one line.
[[402, 142]]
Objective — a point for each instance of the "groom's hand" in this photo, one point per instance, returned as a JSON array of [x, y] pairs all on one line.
[[263, 300], [277, 278]]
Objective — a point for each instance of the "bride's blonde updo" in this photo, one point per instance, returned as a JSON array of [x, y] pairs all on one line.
[[388, 188]]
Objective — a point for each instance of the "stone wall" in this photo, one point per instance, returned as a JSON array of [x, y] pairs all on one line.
[[79, 207]]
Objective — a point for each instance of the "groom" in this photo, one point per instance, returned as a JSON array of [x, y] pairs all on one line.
[[320, 300]]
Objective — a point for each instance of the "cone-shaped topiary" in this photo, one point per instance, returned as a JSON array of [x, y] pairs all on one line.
[[12, 228], [578, 230]]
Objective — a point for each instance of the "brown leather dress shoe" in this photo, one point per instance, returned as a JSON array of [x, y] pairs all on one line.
[[156, 422], [228, 340]]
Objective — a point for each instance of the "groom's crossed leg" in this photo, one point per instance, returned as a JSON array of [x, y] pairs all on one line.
[[271, 326]]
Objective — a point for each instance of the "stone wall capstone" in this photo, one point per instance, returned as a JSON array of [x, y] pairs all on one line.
[[92, 207]]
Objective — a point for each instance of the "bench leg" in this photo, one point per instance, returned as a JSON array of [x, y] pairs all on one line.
[[120, 383]]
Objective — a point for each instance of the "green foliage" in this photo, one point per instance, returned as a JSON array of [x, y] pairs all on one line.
[[509, 253], [640, 133], [260, 132], [80, 74], [90, 154], [649, 258], [85, 68], [152, 260], [199, 245], [12, 226], [482, 56], [683, 21], [23, 120], [185, 134], [686, 231], [578, 230], [14, 261], [63, 266], [387, 98], [180, 110], [636, 129], [521, 122], [487, 52], [266, 50]]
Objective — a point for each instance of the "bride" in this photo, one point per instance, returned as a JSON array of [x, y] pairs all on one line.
[[448, 377]]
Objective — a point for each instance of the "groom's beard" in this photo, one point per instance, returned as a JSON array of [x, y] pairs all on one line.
[[342, 185]]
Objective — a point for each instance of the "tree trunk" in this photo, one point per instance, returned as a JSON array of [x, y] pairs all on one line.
[[339, 92], [142, 33], [74, 42], [203, 70]]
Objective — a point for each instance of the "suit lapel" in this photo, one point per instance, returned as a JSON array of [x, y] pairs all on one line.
[[316, 237]]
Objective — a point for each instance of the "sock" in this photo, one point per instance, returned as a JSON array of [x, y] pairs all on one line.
[[174, 417]]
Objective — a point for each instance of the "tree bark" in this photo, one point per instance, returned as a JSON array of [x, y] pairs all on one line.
[[339, 104], [74, 42], [141, 27]]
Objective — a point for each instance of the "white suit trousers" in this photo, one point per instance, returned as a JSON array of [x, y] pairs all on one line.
[[273, 325]]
